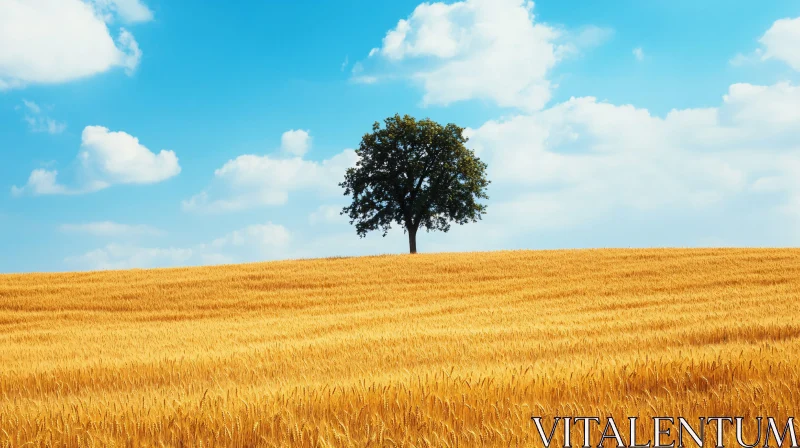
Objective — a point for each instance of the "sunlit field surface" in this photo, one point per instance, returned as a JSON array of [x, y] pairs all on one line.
[[426, 350]]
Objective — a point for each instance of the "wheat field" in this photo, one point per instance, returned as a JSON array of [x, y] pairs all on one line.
[[414, 351]]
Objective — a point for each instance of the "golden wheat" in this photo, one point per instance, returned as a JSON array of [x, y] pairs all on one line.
[[425, 350]]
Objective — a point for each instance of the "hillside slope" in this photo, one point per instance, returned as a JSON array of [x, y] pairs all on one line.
[[440, 349]]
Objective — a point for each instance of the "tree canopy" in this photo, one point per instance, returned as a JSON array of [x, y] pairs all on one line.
[[416, 173]]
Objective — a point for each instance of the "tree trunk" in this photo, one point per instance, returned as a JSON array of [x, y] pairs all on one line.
[[412, 240]]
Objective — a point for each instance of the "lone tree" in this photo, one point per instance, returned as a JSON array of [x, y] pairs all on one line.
[[418, 174]]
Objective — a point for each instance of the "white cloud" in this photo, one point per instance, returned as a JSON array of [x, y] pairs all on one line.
[[133, 54], [118, 157], [741, 60], [130, 11], [39, 122], [250, 181], [488, 49], [782, 42], [638, 53], [358, 69], [582, 159], [365, 79], [125, 256], [296, 142], [253, 243], [41, 182], [262, 235], [481, 49], [55, 41], [32, 107], [107, 158], [327, 214], [111, 229], [580, 40]]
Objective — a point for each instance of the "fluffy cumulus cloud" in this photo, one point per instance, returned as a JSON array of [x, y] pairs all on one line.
[[252, 243], [118, 157], [38, 121], [107, 158], [296, 142], [111, 229], [250, 181], [55, 41], [581, 160], [484, 49], [781, 42]]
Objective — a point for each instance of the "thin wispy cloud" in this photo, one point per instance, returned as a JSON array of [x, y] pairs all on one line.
[[111, 229], [38, 121]]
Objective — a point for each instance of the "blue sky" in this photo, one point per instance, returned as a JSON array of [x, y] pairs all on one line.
[[605, 124]]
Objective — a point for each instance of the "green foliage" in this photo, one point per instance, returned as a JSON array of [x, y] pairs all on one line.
[[417, 174]]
